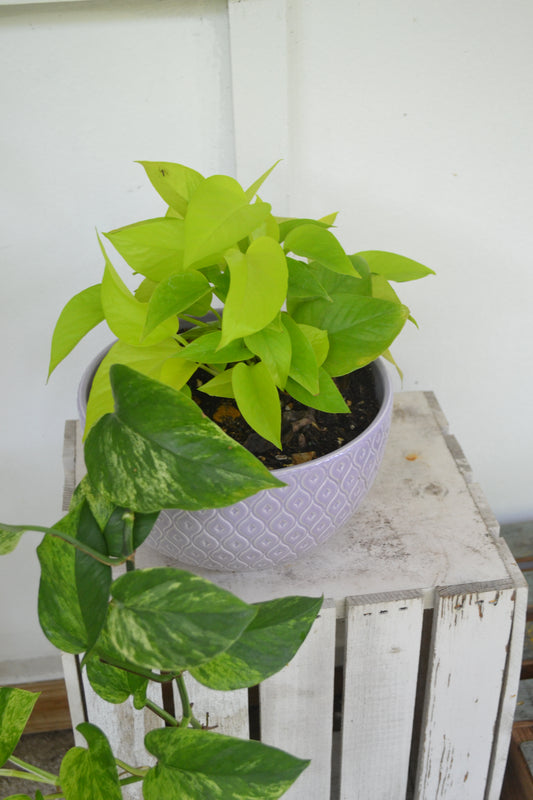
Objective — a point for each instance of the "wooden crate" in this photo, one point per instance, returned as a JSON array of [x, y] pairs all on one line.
[[415, 657]]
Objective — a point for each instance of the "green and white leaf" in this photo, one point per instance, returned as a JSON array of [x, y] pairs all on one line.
[[90, 773], [258, 287], [80, 315], [218, 217], [10, 536], [157, 450], [111, 683], [153, 247], [258, 400], [196, 764], [16, 706], [168, 619], [269, 642], [173, 182]]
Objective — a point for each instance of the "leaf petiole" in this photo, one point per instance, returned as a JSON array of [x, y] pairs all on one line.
[[34, 770]]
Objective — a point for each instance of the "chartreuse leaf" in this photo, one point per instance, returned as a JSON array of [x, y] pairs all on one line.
[[153, 247], [145, 290], [328, 398], [359, 328], [10, 537], [318, 340], [254, 188], [173, 182], [273, 346], [165, 453], [16, 706], [172, 620], [80, 315], [111, 683], [319, 244], [72, 610], [90, 774], [304, 366], [303, 284], [269, 642], [125, 315], [148, 360], [287, 224], [173, 296], [381, 288], [218, 217], [193, 764], [393, 266], [206, 350], [258, 400], [220, 386], [258, 287]]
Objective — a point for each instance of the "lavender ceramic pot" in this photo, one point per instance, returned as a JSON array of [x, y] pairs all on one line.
[[275, 526]]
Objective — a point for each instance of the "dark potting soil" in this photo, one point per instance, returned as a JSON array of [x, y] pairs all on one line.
[[305, 432]]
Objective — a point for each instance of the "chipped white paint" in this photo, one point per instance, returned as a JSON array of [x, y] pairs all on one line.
[[383, 636], [468, 655], [297, 707]]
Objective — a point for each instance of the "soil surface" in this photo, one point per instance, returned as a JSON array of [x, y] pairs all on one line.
[[305, 432]]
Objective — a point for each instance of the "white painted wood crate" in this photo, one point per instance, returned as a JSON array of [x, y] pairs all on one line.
[[424, 621]]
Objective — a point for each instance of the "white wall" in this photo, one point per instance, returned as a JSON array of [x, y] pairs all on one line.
[[412, 117]]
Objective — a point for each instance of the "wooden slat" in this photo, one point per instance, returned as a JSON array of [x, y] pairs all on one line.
[[226, 712], [471, 631], [381, 665], [511, 678], [297, 708]]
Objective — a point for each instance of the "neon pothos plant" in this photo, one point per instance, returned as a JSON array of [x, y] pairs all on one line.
[[219, 244], [148, 626]]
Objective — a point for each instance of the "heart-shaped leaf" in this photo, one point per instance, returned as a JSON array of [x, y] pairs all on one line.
[[269, 642], [273, 346], [304, 365], [195, 764], [153, 247], [175, 183], [111, 683], [258, 400], [206, 350], [90, 774], [169, 619], [9, 537], [393, 266], [218, 217], [174, 295], [319, 244], [166, 454], [327, 399], [16, 706]]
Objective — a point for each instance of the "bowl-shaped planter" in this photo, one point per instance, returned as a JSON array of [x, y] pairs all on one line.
[[275, 526]]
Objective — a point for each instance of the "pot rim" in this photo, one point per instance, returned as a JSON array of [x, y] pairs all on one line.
[[384, 390]]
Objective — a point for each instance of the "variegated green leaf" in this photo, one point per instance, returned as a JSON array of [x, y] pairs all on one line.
[[165, 453], [175, 183], [111, 683], [269, 642], [16, 706], [9, 537], [80, 315], [169, 619], [90, 774], [196, 764]]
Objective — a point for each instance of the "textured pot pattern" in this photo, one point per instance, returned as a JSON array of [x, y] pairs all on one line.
[[276, 526]]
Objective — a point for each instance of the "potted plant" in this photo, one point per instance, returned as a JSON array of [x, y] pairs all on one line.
[[154, 624], [302, 324]]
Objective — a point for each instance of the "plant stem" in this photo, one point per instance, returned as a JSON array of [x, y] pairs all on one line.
[[188, 717], [35, 770], [128, 518], [27, 776], [161, 713], [112, 562], [144, 673], [139, 771]]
